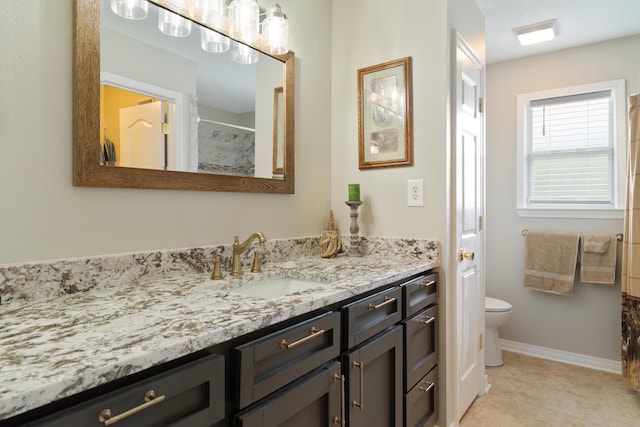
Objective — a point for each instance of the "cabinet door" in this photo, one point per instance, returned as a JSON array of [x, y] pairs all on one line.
[[269, 363], [421, 345], [190, 395], [374, 381], [422, 402], [315, 401]]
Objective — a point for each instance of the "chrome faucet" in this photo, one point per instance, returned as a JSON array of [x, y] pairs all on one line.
[[239, 248]]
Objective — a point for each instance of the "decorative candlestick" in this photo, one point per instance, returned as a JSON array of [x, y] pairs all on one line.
[[354, 246]]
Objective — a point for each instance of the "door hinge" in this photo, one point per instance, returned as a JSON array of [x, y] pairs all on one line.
[[481, 341], [481, 222], [165, 129], [481, 105]]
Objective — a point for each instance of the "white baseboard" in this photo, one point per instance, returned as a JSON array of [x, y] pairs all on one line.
[[585, 361]]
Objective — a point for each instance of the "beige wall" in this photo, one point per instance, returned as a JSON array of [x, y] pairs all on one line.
[[42, 216], [588, 322]]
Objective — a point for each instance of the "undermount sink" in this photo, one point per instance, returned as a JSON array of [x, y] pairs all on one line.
[[274, 288]]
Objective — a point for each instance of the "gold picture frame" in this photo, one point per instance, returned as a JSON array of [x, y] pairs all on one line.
[[385, 115]]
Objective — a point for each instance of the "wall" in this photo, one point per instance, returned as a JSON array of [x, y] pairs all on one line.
[[587, 323], [42, 216], [367, 33]]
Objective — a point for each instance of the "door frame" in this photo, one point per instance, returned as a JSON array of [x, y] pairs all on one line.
[[450, 264]]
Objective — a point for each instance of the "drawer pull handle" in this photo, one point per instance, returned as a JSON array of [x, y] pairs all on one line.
[[386, 301], [150, 400], [337, 420], [355, 403], [429, 283], [429, 320], [429, 387], [314, 333]]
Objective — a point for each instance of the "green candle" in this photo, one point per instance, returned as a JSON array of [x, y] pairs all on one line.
[[354, 192]]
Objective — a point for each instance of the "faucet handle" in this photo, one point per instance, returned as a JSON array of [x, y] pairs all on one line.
[[255, 266], [216, 274]]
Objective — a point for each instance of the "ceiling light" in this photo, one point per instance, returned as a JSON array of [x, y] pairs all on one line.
[[537, 33]]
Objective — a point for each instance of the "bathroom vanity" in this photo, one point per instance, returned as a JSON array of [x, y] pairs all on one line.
[[359, 349]]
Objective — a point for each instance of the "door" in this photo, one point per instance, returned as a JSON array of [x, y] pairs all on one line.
[[142, 143], [469, 158], [374, 389]]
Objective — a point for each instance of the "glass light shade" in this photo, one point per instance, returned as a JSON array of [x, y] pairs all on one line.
[[130, 9], [244, 17], [213, 42], [173, 25], [275, 31], [244, 54], [211, 12]]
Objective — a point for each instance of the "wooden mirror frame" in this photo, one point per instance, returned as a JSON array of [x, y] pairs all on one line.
[[87, 171]]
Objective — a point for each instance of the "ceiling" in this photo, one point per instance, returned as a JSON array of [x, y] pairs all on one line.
[[581, 22]]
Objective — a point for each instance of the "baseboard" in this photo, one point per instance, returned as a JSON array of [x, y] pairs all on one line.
[[585, 361]]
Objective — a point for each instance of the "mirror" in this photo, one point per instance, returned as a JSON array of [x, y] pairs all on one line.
[[184, 159]]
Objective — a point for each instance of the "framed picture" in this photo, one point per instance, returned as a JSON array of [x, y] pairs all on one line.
[[385, 128]]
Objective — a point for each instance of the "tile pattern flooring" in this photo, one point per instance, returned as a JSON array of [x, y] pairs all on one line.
[[532, 392]]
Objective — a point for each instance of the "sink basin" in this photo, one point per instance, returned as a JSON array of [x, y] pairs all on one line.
[[274, 288]]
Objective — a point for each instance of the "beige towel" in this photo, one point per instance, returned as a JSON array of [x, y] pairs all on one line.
[[551, 262], [598, 259]]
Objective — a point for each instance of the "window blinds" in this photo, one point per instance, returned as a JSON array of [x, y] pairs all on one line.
[[570, 149]]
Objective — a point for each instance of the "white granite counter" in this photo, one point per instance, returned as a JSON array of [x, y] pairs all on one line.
[[51, 348]]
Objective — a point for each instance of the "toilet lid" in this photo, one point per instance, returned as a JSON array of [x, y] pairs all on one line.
[[496, 305]]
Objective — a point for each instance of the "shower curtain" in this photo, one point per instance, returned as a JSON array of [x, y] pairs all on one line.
[[631, 254]]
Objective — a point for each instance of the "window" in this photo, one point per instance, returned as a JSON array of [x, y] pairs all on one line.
[[571, 151]]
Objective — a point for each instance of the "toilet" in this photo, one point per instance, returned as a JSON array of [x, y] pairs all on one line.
[[496, 314]]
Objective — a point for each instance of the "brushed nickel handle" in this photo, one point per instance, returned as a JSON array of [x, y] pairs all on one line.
[[355, 403], [429, 283], [462, 255], [150, 400], [429, 387], [341, 420], [426, 322], [314, 333], [386, 301]]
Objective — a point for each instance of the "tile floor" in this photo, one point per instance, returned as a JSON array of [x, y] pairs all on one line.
[[532, 392]]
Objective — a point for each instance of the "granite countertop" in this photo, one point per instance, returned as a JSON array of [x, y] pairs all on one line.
[[57, 347]]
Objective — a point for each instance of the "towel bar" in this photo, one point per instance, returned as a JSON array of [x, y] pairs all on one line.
[[619, 236]]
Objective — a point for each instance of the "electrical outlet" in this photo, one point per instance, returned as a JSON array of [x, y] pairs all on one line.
[[415, 192]]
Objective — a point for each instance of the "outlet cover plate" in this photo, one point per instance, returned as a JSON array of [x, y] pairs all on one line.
[[415, 192]]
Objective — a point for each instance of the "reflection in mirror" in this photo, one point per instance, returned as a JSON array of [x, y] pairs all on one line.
[[215, 130], [152, 112]]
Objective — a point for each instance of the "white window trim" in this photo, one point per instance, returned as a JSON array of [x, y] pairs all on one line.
[[618, 91]]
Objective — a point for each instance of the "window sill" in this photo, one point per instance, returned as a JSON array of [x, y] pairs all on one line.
[[570, 213]]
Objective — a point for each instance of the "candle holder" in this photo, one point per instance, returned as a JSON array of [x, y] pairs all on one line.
[[354, 241]]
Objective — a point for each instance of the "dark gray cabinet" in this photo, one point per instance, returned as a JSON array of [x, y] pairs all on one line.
[[421, 344], [368, 316], [271, 362], [190, 395], [421, 402], [313, 401], [373, 374]]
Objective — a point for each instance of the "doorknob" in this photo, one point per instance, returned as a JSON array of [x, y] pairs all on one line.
[[462, 255]]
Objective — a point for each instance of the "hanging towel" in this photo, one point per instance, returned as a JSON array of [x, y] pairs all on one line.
[[551, 262], [598, 259]]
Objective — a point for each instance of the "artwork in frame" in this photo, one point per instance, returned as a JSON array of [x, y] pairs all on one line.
[[385, 128]]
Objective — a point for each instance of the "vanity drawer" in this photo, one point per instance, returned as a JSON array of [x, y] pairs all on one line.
[[368, 316], [269, 363], [419, 293], [421, 403], [421, 345], [189, 395]]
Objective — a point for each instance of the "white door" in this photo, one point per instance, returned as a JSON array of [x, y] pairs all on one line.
[[469, 157], [142, 143]]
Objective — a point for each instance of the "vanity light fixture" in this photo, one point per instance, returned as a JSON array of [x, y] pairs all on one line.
[[244, 20], [275, 31], [537, 33], [243, 54], [130, 9], [213, 42], [173, 24]]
